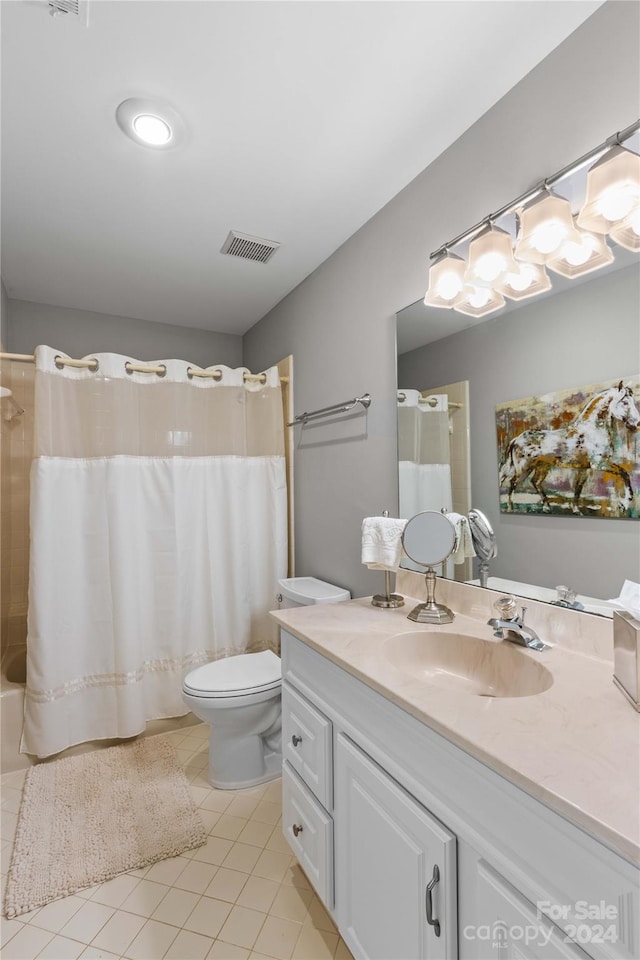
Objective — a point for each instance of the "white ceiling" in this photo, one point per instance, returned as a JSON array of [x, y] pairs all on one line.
[[303, 119]]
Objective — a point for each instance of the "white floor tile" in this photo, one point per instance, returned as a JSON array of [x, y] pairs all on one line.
[[27, 943], [61, 948], [87, 922], [152, 942], [119, 931]]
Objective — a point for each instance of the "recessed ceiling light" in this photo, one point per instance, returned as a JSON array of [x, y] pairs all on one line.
[[149, 123], [152, 129]]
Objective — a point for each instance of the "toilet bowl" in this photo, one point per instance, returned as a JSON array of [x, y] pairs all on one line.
[[239, 697]]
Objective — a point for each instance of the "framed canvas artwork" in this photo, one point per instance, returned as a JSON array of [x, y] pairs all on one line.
[[573, 452]]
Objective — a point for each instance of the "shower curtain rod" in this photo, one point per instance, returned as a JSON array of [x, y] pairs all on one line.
[[431, 401], [159, 370]]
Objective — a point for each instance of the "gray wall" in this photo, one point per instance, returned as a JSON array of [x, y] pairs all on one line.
[[81, 332], [339, 323], [582, 336]]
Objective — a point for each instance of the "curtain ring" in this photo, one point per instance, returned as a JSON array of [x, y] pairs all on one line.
[[162, 370]]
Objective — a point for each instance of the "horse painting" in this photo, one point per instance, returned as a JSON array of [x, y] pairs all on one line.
[[584, 461]]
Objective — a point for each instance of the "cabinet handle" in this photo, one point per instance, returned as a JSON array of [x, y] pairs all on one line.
[[295, 739], [429, 901], [297, 829]]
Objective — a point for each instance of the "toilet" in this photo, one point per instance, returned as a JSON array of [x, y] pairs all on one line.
[[239, 697]]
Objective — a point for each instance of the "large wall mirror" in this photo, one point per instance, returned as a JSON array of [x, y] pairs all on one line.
[[465, 387]]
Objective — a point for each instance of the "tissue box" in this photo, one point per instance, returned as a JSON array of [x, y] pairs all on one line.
[[626, 655]]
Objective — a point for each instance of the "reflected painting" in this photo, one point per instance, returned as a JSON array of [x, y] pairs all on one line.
[[572, 453]]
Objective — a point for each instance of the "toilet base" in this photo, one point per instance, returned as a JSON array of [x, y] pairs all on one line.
[[272, 770], [237, 762]]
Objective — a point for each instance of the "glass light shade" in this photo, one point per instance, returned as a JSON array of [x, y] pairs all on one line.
[[478, 301], [627, 233], [446, 280], [545, 224], [490, 258], [613, 190], [526, 280], [574, 259]]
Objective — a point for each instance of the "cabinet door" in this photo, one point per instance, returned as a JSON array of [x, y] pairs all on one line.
[[508, 926], [387, 849]]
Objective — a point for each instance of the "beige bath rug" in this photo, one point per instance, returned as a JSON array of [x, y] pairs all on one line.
[[86, 819]]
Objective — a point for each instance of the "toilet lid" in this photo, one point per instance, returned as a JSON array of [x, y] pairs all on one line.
[[247, 672]]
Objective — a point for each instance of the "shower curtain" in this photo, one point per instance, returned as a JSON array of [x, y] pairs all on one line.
[[423, 454], [158, 532], [424, 469]]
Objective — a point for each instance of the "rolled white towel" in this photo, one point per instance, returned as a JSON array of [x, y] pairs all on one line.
[[464, 542], [382, 542]]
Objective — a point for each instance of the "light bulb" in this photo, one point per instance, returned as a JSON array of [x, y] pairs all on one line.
[[523, 279], [449, 285], [490, 266], [577, 253], [548, 236], [480, 297], [152, 130], [616, 202]]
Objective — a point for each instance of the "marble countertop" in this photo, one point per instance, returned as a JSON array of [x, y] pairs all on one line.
[[575, 746]]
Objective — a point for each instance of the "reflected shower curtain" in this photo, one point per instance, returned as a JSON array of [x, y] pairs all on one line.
[[158, 531], [423, 454]]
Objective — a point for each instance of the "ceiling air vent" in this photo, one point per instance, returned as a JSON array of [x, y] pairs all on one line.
[[249, 248], [75, 11]]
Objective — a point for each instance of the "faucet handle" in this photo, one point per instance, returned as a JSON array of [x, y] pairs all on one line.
[[507, 607]]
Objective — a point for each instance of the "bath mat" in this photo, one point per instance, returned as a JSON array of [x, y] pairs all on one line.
[[86, 819]]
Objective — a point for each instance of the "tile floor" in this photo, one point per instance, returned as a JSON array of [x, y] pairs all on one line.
[[242, 896]]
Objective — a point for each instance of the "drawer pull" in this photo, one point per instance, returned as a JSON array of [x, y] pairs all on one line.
[[297, 829], [429, 902], [295, 739]]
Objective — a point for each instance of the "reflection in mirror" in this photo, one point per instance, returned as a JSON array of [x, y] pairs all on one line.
[[583, 333], [428, 539]]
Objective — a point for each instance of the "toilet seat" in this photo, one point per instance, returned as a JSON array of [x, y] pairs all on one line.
[[236, 676]]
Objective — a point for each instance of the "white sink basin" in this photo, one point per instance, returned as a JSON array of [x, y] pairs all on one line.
[[464, 664]]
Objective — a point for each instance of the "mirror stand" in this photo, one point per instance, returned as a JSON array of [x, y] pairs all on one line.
[[388, 600], [430, 611]]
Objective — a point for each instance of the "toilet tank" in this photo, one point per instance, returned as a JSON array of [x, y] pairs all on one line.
[[302, 591]]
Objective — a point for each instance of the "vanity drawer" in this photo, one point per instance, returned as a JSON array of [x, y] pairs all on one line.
[[308, 829], [307, 743]]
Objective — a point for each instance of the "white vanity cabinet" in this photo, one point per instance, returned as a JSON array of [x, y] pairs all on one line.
[[383, 800], [396, 866]]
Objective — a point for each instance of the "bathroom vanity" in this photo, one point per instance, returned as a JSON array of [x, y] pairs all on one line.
[[440, 820]]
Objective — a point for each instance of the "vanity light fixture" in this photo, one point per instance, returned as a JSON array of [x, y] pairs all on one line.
[[548, 233], [575, 259], [150, 123], [490, 258], [478, 301], [627, 233], [527, 280], [613, 191], [446, 280], [545, 224]]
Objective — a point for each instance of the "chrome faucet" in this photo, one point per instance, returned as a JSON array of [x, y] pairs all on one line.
[[511, 626]]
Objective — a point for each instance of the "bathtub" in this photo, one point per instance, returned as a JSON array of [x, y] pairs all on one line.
[[12, 686], [12, 683]]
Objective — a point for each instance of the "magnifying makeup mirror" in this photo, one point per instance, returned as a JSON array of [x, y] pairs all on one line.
[[429, 538], [484, 542]]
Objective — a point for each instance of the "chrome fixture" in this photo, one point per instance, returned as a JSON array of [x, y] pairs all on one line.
[[547, 234], [303, 418], [567, 598], [510, 625]]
